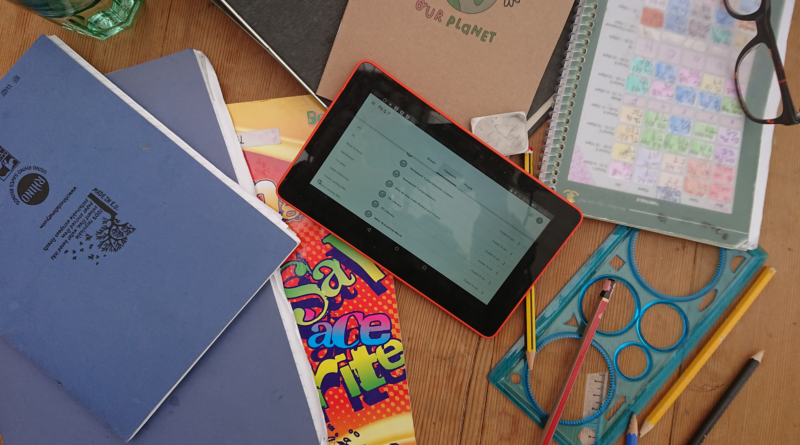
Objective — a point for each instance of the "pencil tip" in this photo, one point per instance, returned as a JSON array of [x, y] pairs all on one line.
[[759, 355], [646, 427], [633, 425], [530, 355]]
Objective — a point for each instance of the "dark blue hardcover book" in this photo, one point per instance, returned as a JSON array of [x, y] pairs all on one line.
[[123, 253], [245, 390]]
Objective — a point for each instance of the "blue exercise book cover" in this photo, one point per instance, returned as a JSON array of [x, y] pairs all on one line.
[[123, 253], [175, 90], [244, 391]]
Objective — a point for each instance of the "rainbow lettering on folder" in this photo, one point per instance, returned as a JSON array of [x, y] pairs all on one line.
[[345, 306]]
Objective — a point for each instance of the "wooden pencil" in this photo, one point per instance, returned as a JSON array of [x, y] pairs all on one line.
[[633, 431], [726, 399], [530, 335], [529, 163], [712, 345], [588, 336], [530, 299]]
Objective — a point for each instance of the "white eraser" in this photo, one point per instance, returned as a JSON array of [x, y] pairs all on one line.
[[506, 133]]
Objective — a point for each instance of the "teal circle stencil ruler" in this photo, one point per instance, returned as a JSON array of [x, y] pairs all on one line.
[[622, 394]]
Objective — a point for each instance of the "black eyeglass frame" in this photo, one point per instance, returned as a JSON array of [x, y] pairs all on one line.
[[765, 35]]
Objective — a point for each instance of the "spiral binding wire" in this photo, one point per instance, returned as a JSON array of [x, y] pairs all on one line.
[[571, 67]]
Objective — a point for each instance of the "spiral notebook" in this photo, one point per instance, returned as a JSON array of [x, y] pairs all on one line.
[[647, 129]]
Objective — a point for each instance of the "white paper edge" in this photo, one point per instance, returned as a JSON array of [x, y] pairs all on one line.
[[766, 135], [268, 212], [300, 357], [225, 124], [258, 205]]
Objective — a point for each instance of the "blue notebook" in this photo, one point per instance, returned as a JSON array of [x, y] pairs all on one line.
[[124, 254], [244, 391], [181, 91]]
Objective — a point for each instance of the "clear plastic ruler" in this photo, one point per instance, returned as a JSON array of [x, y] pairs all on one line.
[[593, 396]]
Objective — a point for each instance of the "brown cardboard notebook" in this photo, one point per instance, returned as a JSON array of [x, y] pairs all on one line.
[[469, 58]]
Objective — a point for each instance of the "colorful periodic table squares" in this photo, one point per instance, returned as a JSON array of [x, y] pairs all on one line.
[[648, 158], [678, 125], [641, 66], [699, 29], [689, 77], [662, 90], [724, 173], [679, 130], [645, 176], [679, 7], [723, 18], [709, 101], [686, 95], [720, 192], [702, 10], [699, 168], [677, 24], [653, 139], [666, 72]]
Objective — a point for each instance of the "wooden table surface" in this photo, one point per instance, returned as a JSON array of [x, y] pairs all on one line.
[[453, 402]]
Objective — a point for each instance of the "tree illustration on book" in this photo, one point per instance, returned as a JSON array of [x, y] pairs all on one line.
[[113, 234]]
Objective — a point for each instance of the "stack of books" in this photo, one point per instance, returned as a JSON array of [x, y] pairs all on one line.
[[137, 303]]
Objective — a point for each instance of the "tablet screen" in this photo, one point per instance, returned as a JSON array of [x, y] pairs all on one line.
[[419, 195], [414, 190]]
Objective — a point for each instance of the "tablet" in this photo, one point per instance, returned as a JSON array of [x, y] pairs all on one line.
[[399, 181]]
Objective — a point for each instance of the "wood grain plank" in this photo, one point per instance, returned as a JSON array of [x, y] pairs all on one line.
[[440, 353], [447, 363], [475, 409]]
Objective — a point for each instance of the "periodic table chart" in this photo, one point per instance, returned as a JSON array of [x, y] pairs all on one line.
[[661, 117]]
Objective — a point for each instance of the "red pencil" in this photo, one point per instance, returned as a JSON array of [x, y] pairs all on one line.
[[588, 335]]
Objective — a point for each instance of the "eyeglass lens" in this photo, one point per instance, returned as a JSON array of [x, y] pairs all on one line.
[[744, 7], [756, 76]]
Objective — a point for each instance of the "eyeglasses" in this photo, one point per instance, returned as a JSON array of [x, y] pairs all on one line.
[[759, 64]]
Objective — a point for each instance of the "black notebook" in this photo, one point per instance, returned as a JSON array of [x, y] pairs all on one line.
[[298, 33], [543, 99]]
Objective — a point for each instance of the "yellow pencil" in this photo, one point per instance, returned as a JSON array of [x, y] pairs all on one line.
[[529, 163], [530, 335], [530, 301], [707, 351]]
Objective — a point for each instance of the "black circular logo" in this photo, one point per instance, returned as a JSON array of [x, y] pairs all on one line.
[[389, 183], [368, 214], [382, 194], [33, 189], [375, 204], [396, 174], [539, 220], [403, 163]]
